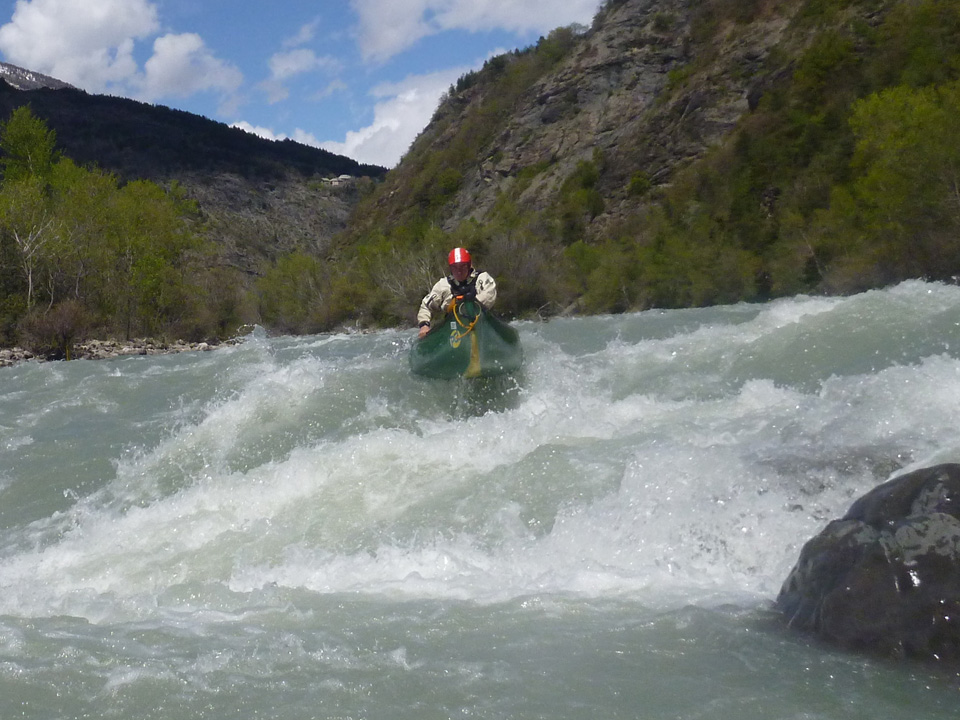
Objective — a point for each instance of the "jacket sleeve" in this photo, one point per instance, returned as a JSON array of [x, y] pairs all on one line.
[[434, 302], [486, 290]]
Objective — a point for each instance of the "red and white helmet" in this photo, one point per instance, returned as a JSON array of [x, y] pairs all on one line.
[[458, 255]]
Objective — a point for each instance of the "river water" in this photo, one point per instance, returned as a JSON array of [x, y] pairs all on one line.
[[298, 528]]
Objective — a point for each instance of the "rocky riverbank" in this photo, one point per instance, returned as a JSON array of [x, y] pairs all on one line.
[[107, 349]]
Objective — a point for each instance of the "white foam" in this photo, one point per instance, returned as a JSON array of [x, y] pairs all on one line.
[[672, 470]]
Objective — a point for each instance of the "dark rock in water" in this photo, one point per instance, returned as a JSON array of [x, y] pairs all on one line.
[[886, 577]]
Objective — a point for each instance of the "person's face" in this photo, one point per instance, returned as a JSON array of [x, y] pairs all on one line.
[[460, 271]]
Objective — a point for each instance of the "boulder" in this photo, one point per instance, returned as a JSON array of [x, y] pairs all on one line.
[[885, 578]]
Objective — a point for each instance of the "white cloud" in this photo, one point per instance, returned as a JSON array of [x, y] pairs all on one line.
[[402, 110], [303, 36], [387, 27], [518, 16], [300, 136], [95, 45], [182, 65], [263, 132], [333, 87], [287, 64], [88, 43], [275, 91]]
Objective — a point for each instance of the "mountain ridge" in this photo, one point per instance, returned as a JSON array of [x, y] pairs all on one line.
[[261, 198], [23, 79]]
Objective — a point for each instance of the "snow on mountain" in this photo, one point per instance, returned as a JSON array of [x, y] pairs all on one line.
[[22, 79]]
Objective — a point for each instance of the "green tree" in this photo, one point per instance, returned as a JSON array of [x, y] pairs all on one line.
[[901, 213], [29, 219], [293, 293], [908, 156], [149, 238], [28, 147], [80, 256]]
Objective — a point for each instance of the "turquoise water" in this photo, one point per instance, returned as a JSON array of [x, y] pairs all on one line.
[[299, 528]]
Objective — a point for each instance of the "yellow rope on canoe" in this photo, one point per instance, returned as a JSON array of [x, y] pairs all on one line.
[[458, 336]]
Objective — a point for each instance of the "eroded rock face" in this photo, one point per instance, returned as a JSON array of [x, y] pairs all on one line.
[[886, 577], [614, 95]]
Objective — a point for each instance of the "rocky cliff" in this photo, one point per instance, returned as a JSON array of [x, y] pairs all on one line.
[[619, 95], [649, 88]]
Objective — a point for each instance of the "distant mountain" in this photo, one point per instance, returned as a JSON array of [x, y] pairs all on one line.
[[22, 79], [136, 139], [260, 198]]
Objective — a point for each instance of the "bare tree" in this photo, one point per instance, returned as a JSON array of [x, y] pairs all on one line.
[[26, 215]]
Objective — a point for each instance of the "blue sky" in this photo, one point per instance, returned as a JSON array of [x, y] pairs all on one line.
[[358, 77]]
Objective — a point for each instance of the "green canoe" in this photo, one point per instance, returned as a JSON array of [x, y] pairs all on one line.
[[471, 342]]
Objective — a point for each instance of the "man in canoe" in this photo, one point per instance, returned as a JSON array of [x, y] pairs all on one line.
[[463, 281]]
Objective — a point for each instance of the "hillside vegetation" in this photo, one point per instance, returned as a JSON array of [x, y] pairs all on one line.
[[120, 219], [79, 252], [680, 154], [84, 253]]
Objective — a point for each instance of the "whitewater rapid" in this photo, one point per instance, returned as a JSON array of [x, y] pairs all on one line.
[[659, 467]]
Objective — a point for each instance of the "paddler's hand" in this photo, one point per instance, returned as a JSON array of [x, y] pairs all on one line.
[[424, 329]]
